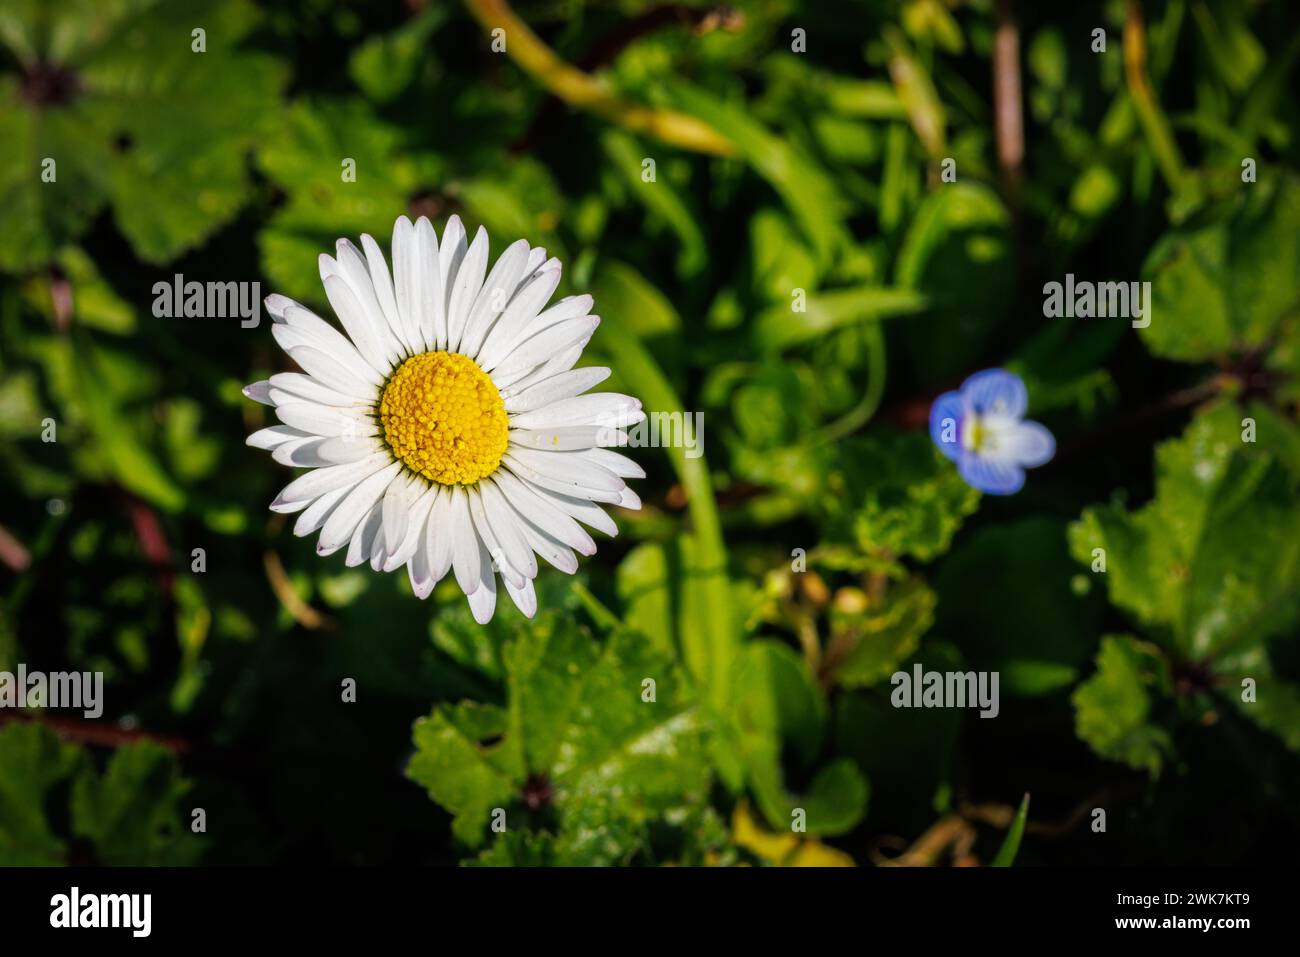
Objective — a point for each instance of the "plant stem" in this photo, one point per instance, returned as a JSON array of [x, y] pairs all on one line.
[[1154, 122], [599, 612], [580, 89], [861, 413], [710, 662]]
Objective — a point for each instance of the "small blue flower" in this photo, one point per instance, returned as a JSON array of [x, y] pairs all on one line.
[[981, 427]]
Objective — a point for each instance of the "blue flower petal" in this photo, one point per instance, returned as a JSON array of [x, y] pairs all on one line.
[[948, 406], [1031, 445], [996, 392], [994, 476]]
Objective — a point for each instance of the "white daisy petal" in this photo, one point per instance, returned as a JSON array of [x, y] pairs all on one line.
[[305, 387], [431, 313], [413, 540], [595, 408], [382, 281], [319, 481], [543, 513], [302, 454], [318, 511], [483, 600], [499, 562], [630, 500], [439, 538], [616, 462], [525, 598], [303, 327], [275, 436], [574, 474], [277, 304], [363, 536], [567, 439], [536, 257], [260, 392], [555, 552], [352, 295], [343, 520], [562, 361], [584, 510], [465, 544], [417, 569], [557, 387], [326, 419], [505, 528], [378, 548], [341, 449], [495, 295], [330, 371], [537, 349], [451, 253], [465, 288], [408, 286], [398, 500], [517, 317]]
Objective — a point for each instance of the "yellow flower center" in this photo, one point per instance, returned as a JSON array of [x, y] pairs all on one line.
[[444, 418]]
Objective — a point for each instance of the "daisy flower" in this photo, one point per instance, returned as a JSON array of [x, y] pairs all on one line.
[[981, 428], [445, 427]]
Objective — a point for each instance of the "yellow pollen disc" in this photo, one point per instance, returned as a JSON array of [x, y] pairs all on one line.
[[444, 418]]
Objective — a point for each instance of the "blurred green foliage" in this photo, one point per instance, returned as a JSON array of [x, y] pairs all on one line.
[[713, 687]]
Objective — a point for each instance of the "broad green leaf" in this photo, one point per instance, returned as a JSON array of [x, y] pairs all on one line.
[[895, 495], [1112, 708], [165, 146], [1224, 285], [121, 451], [32, 762], [609, 734], [319, 143], [384, 65], [1213, 561], [133, 811]]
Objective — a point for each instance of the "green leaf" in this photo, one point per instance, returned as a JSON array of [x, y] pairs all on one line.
[[32, 763], [1112, 708], [1224, 285], [709, 644], [384, 65], [133, 811], [661, 197], [896, 495], [1212, 562], [307, 160], [780, 720], [580, 723], [957, 252], [807, 190], [1006, 855], [123, 454], [780, 326], [164, 146]]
